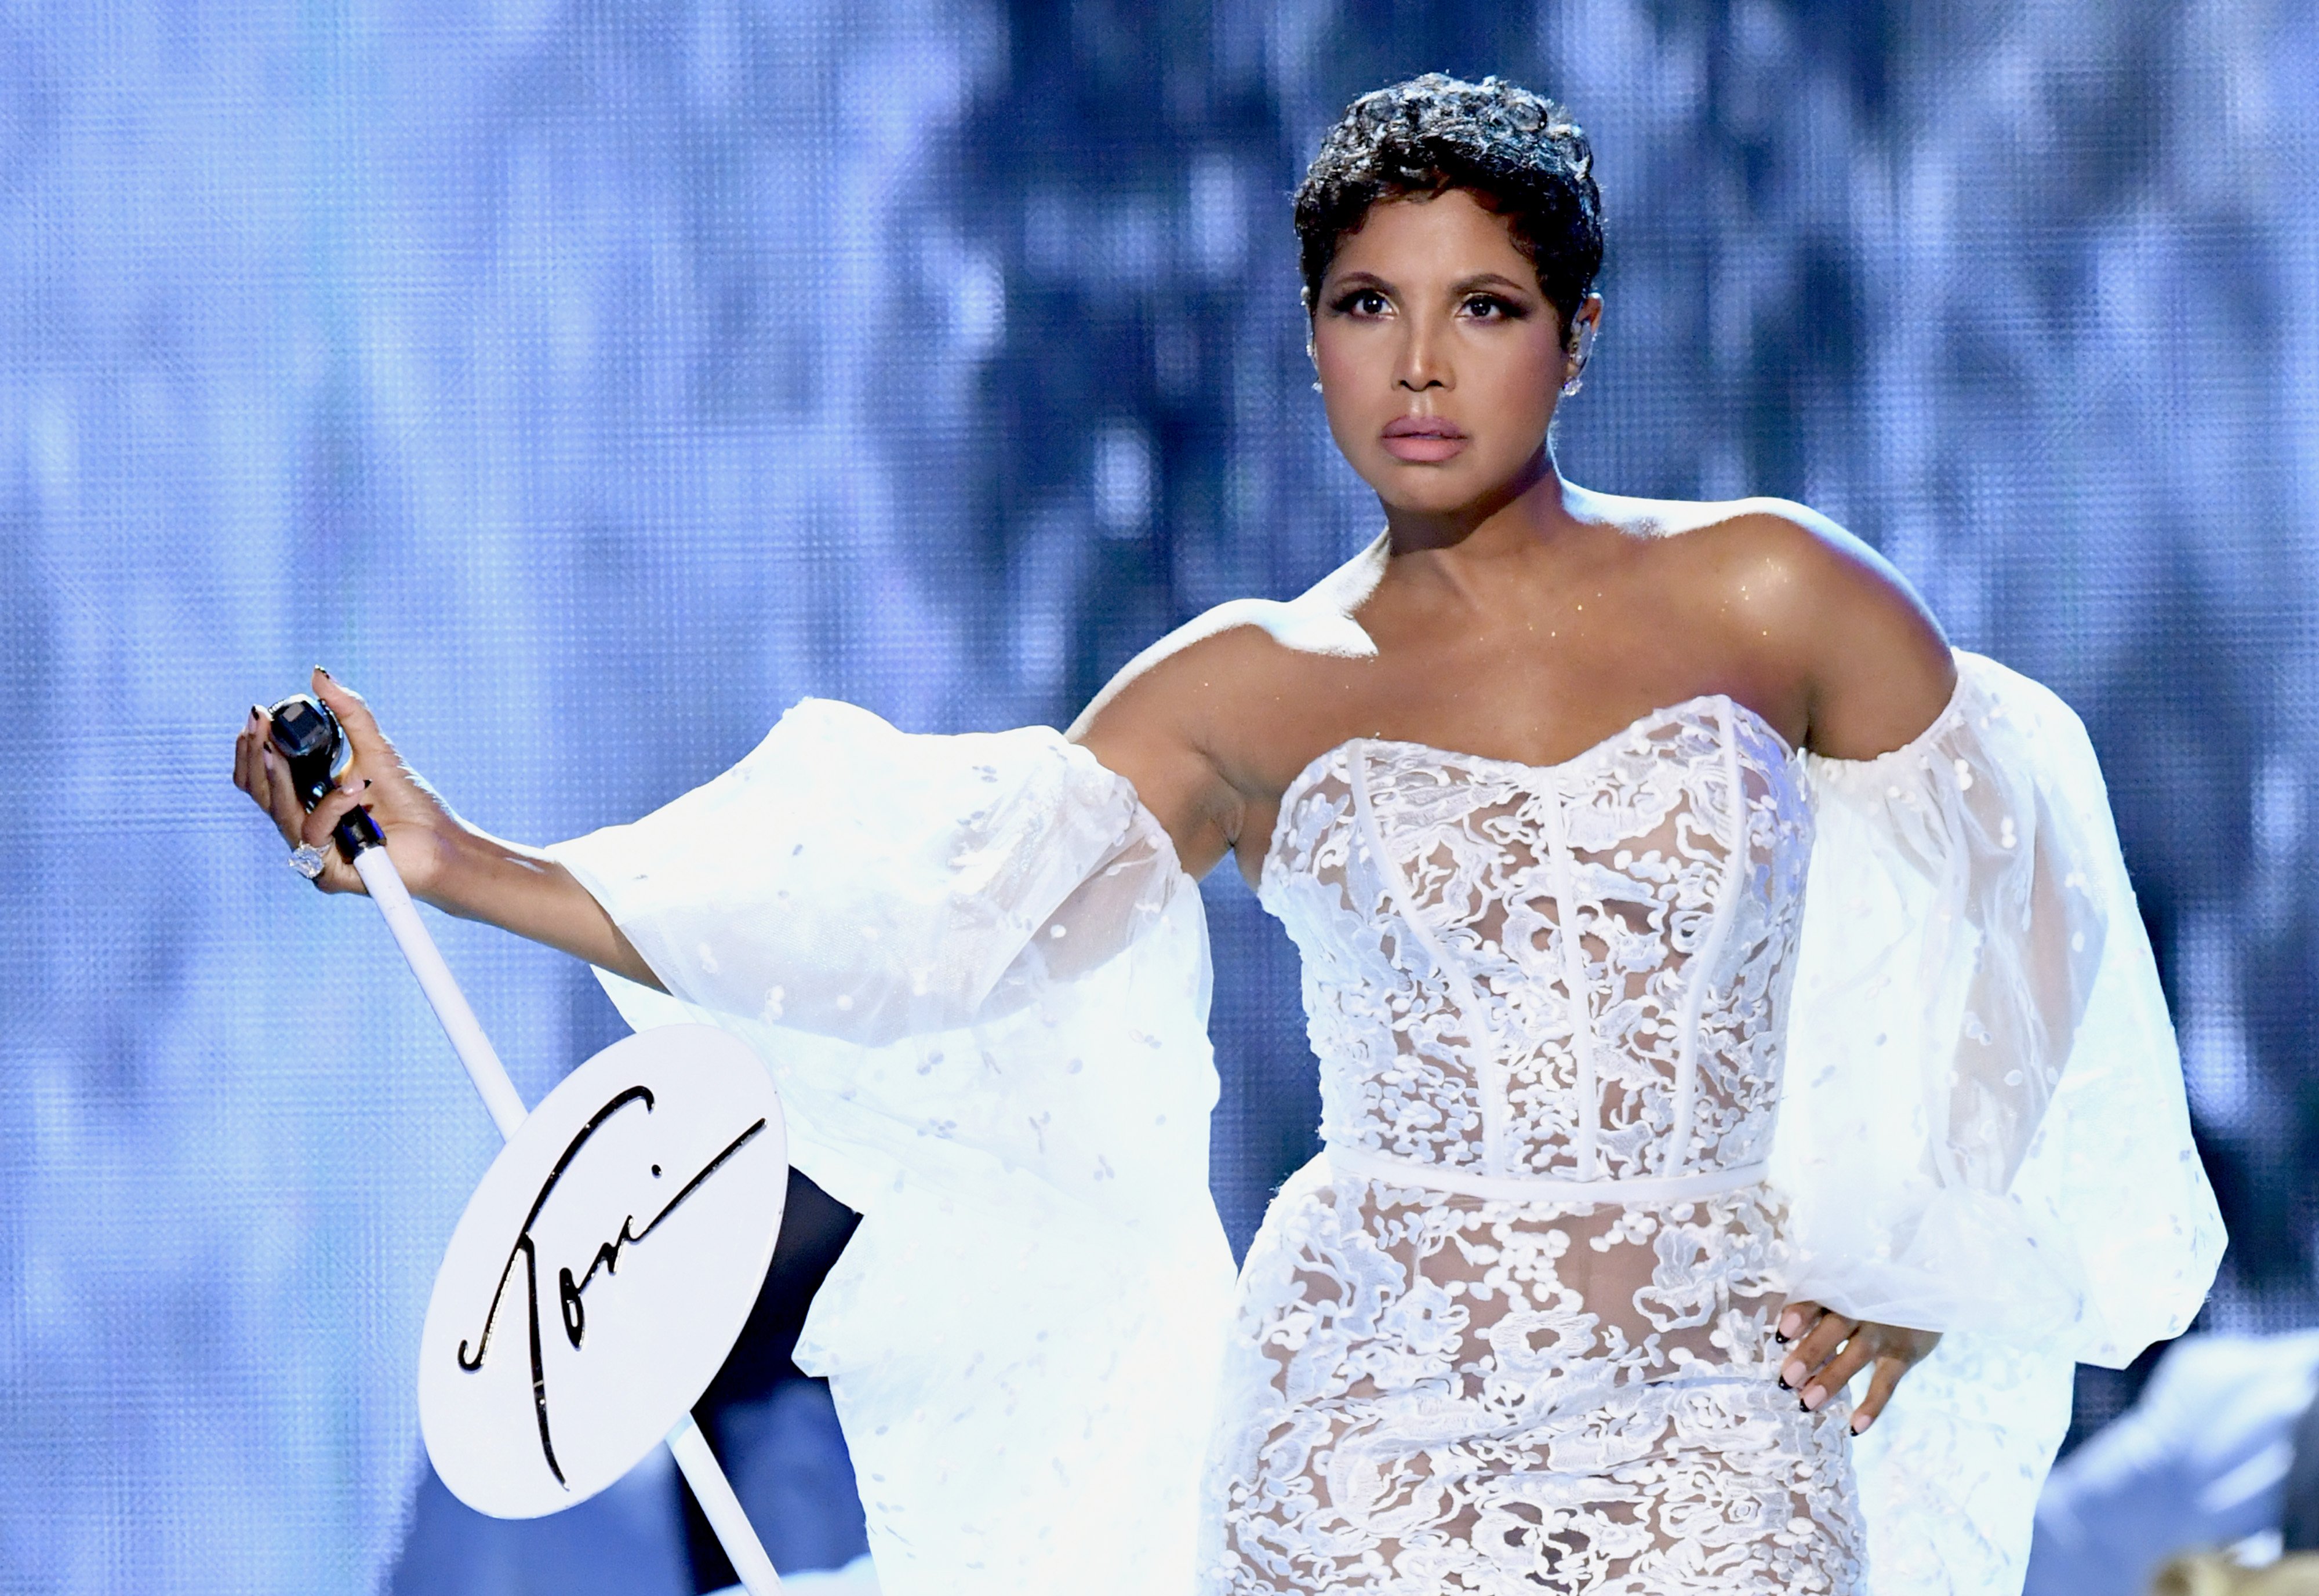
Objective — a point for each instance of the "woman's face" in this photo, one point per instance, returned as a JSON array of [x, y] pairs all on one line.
[[1440, 360]]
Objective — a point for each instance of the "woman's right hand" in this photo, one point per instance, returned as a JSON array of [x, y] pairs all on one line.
[[422, 834]]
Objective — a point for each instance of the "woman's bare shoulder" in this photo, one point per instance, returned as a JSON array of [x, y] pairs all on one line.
[[1813, 603], [1174, 690], [1755, 529], [1175, 720], [1220, 649], [1247, 636]]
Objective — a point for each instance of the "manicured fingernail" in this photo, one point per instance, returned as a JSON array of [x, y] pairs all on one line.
[[321, 670], [1789, 1323], [1793, 1375], [1813, 1396], [1860, 1422]]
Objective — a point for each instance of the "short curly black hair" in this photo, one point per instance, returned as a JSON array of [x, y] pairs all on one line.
[[1516, 152]]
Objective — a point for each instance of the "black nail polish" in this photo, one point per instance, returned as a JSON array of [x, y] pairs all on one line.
[[1780, 1337]]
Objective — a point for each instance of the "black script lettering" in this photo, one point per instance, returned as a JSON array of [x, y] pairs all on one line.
[[568, 1291], [607, 1256]]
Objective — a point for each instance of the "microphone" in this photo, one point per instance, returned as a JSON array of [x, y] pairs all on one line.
[[311, 739]]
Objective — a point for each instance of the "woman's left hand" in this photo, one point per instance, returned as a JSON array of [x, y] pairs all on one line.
[[1826, 1350]]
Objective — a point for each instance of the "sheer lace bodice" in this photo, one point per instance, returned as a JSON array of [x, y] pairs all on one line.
[[1512, 1332], [1573, 970]]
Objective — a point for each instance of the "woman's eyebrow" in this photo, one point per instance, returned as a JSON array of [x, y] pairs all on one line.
[[1492, 280], [1361, 280]]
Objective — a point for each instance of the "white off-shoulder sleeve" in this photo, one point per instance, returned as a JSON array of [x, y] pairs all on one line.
[[979, 978], [1984, 1130]]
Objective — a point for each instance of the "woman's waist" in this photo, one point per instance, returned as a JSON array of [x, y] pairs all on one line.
[[1353, 1160]]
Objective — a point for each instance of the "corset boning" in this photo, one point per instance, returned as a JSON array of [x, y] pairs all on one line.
[[1576, 972]]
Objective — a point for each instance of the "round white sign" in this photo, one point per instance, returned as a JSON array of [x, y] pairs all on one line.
[[601, 1271]]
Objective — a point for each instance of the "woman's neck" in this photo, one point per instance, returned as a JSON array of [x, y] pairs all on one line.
[[1536, 505]]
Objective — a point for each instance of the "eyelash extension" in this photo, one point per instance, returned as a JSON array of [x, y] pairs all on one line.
[[1506, 309]]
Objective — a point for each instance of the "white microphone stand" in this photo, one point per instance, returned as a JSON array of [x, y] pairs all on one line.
[[359, 840], [710, 1486]]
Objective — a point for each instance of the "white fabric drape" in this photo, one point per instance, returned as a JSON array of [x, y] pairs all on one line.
[[1982, 1130], [980, 981]]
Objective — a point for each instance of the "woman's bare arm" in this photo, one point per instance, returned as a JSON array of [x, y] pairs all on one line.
[[443, 859], [1871, 663], [1873, 672], [1155, 730]]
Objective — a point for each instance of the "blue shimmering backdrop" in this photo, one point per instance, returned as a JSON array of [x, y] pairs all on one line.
[[588, 380]]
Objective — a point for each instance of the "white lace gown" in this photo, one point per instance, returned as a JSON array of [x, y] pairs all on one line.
[[1616, 1055], [1512, 1330]]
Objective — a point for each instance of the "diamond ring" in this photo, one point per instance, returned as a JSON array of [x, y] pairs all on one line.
[[306, 860]]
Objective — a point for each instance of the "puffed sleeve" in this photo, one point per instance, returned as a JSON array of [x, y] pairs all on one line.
[[1984, 1130], [979, 978], [1984, 1126]]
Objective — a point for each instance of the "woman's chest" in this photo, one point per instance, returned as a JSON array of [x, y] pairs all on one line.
[[1547, 716], [1580, 960], [1683, 804]]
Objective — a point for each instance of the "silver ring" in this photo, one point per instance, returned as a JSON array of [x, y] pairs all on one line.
[[307, 859]]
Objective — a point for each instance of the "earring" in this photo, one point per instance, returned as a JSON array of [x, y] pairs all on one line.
[[1583, 352]]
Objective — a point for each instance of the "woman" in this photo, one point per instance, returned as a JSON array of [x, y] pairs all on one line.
[[1554, 1311]]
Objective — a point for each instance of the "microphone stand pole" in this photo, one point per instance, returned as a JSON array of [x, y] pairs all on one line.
[[359, 841]]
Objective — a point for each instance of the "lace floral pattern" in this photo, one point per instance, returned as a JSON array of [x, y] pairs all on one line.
[[1536, 974], [1435, 1394], [1440, 981]]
